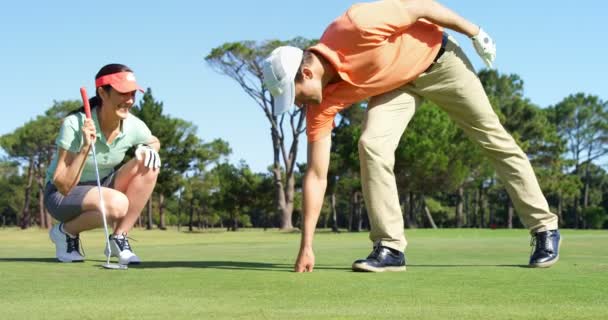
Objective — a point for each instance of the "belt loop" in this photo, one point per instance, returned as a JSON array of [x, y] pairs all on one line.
[[444, 42]]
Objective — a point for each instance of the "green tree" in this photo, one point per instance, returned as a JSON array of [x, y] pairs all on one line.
[[11, 197], [343, 175], [582, 121], [180, 149], [33, 145], [236, 194], [594, 215], [201, 183], [429, 159]]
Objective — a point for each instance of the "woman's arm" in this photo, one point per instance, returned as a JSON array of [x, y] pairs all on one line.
[[70, 164], [154, 143], [69, 169]]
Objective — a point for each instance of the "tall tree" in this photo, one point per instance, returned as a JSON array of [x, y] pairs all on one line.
[[33, 145], [200, 184], [343, 174], [11, 195], [427, 159], [593, 215], [236, 193], [582, 120], [242, 62], [180, 148]]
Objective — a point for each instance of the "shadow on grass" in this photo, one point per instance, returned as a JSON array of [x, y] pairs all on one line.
[[467, 265], [45, 260], [259, 266], [224, 265]]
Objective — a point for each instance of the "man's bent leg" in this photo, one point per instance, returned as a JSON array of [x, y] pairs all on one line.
[[386, 119]]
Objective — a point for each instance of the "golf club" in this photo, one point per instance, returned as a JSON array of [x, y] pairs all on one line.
[[107, 265]]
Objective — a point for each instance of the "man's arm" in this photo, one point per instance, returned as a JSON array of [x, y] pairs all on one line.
[[439, 14], [315, 183]]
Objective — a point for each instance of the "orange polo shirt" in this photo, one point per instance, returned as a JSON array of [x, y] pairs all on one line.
[[374, 49]]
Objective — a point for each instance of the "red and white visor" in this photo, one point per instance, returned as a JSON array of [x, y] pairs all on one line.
[[122, 82]]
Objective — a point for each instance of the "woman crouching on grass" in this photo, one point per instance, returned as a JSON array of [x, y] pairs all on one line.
[[71, 194]]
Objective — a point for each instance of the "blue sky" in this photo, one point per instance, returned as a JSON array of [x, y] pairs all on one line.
[[51, 48]]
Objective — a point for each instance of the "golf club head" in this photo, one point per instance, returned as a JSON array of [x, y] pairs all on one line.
[[114, 266]]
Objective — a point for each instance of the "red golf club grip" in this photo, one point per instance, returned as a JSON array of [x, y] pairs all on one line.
[[85, 101]]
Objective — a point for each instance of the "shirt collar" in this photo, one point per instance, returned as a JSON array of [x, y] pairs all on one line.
[[100, 135]]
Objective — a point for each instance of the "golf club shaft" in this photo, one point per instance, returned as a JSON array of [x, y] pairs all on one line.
[[87, 111], [102, 204]]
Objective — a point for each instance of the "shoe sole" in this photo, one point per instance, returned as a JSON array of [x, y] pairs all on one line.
[[548, 263], [545, 264], [105, 253], [117, 256], [365, 268]]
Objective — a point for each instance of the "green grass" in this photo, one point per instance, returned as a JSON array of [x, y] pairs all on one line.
[[452, 274]]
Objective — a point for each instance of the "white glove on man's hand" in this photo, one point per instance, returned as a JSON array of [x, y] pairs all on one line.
[[149, 156], [485, 47]]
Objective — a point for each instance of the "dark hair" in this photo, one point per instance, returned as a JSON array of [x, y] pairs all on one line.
[[104, 71], [307, 58]]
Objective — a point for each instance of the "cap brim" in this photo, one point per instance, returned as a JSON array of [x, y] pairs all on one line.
[[285, 101], [126, 86]]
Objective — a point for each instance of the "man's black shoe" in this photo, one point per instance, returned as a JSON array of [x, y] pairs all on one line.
[[546, 249], [380, 260]]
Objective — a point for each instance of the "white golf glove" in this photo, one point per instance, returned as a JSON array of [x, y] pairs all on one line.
[[485, 47], [148, 155]]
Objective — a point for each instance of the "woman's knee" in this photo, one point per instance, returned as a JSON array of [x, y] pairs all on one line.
[[117, 204], [152, 174], [147, 173]]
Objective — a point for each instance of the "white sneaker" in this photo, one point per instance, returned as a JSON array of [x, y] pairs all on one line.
[[122, 249], [67, 249]]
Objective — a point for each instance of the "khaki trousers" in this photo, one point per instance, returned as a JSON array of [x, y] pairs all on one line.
[[453, 85]]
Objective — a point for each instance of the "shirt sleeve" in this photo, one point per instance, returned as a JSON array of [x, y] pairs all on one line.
[[70, 134], [320, 120], [381, 19], [139, 131]]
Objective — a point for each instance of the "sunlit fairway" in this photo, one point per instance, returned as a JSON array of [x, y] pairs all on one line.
[[452, 274]]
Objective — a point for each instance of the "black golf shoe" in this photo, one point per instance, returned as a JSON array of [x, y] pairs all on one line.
[[381, 259], [546, 249]]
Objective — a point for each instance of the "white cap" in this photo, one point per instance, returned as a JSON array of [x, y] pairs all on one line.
[[279, 72]]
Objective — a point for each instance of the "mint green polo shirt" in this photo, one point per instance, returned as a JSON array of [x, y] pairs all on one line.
[[133, 132]]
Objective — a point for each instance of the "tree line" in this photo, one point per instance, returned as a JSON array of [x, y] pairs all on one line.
[[443, 179]]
